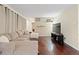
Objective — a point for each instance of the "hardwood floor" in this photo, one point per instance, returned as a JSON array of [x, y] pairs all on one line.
[[48, 47]]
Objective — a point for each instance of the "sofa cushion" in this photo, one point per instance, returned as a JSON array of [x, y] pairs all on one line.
[[7, 35], [19, 33], [14, 36], [26, 32], [4, 39]]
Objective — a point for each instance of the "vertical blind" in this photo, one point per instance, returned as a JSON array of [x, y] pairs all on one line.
[[7, 20], [10, 21]]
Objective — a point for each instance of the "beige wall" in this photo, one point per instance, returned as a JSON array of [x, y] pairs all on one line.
[[43, 28], [69, 26]]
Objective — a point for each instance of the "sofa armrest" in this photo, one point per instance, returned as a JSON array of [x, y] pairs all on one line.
[[8, 48]]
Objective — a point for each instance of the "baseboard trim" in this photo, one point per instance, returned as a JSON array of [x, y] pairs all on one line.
[[44, 35], [71, 46]]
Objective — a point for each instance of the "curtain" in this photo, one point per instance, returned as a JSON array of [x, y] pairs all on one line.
[[19, 22], [2, 19], [6, 20], [10, 21], [24, 24], [14, 22]]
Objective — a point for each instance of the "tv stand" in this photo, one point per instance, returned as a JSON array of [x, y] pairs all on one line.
[[59, 38]]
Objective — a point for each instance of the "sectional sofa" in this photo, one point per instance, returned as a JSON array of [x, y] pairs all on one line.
[[18, 43]]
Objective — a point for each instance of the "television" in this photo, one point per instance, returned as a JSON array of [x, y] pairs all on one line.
[[57, 28]]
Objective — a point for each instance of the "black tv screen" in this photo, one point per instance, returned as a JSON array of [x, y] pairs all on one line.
[[57, 28]]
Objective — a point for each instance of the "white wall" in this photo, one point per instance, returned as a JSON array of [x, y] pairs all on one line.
[[69, 26], [43, 28]]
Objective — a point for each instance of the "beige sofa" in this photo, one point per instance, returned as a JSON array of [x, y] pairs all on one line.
[[19, 43]]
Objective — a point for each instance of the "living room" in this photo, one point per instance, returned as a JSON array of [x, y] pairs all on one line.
[[21, 22]]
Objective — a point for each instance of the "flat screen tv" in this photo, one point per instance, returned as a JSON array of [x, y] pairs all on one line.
[[57, 28]]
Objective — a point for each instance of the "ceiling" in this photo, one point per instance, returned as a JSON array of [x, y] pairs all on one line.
[[40, 10]]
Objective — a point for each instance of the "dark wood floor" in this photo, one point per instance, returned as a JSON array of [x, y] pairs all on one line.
[[48, 47]]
